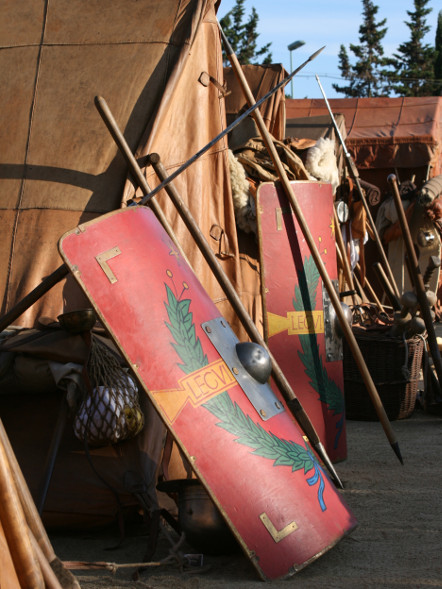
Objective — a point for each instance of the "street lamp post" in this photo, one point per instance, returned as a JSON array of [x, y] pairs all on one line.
[[292, 47]]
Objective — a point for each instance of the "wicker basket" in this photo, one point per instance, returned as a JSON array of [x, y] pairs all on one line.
[[394, 365]]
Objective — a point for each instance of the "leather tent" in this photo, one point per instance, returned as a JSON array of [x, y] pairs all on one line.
[[159, 67], [385, 134]]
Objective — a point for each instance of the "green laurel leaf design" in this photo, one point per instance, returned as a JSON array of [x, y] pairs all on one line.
[[328, 391], [308, 282], [233, 419], [231, 416], [253, 435], [187, 345]]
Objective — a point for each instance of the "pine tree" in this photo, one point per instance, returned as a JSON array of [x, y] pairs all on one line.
[[438, 57], [412, 66], [365, 76], [243, 36]]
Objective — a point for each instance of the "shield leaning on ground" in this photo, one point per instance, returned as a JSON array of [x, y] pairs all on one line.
[[299, 320], [243, 444]]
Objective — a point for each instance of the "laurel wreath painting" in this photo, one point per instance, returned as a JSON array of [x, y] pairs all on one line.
[[329, 392], [232, 418]]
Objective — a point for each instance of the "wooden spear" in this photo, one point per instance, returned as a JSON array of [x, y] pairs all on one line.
[[355, 175], [418, 280], [16, 530], [346, 328], [343, 257], [386, 286], [32, 516], [348, 274], [292, 401]]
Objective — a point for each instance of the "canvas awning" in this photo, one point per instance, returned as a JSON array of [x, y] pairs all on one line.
[[385, 133]]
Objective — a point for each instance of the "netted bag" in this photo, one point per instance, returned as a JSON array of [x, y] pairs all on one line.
[[110, 411]]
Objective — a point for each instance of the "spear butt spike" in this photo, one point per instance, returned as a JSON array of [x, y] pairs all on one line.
[[396, 449], [331, 469]]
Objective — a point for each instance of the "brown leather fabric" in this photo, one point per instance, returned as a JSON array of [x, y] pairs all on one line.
[[59, 164], [189, 116], [261, 79], [30, 254], [60, 167]]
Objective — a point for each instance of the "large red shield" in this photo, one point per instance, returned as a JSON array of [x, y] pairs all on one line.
[[299, 319], [249, 454]]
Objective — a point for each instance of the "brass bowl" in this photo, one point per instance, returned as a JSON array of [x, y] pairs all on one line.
[[78, 321]]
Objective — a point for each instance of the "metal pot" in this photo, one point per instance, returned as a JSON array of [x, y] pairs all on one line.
[[199, 518], [78, 321]]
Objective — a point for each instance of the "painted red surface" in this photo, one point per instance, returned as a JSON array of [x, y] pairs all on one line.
[[254, 492], [283, 254]]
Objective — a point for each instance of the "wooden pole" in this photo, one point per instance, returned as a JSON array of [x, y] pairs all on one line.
[[346, 328], [50, 578], [343, 256], [16, 530], [355, 175], [382, 277], [418, 280], [292, 401], [31, 298], [32, 516]]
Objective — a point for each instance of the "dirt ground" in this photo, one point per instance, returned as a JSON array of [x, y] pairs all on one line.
[[397, 544]]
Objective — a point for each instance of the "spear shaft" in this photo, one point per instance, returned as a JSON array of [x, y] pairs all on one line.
[[292, 401], [418, 280], [355, 175], [227, 130], [348, 333]]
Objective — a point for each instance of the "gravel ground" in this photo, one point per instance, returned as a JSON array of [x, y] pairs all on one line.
[[397, 544]]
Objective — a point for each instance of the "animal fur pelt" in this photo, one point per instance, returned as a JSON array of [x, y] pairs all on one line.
[[321, 162], [431, 190], [243, 202]]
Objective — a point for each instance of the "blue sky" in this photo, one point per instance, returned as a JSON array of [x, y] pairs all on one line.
[[330, 23]]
